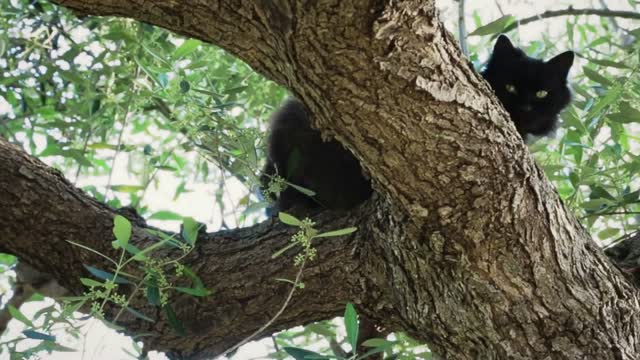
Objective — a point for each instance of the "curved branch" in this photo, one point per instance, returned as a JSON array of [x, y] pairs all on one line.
[[571, 11], [471, 249], [41, 211]]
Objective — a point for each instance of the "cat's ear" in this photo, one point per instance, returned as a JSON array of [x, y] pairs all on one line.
[[504, 46], [561, 64]]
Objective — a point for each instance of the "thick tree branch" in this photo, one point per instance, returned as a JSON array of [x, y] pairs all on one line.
[[471, 249], [571, 11], [41, 211]]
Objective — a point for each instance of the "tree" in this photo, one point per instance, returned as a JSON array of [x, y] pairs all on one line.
[[466, 245]]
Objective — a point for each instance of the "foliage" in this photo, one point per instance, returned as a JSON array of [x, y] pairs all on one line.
[[98, 97], [153, 283], [82, 92], [593, 160], [398, 346]]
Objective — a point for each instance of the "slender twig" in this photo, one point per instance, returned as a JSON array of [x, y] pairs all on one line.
[[571, 11], [273, 319], [462, 29], [612, 21], [125, 119], [613, 213], [499, 8], [84, 151]]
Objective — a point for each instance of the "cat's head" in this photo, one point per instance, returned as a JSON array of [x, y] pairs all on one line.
[[532, 91]]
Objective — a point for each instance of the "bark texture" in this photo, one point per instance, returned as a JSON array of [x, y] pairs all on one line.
[[469, 247], [41, 211]]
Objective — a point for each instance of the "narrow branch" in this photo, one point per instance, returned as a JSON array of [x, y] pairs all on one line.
[[294, 286], [462, 28], [572, 11], [612, 213], [612, 19]]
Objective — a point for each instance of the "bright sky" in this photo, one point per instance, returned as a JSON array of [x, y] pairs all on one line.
[[102, 343]]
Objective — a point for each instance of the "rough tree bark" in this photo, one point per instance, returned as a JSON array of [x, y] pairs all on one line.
[[467, 247]]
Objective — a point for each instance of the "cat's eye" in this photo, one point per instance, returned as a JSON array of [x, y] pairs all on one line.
[[541, 94], [511, 89]]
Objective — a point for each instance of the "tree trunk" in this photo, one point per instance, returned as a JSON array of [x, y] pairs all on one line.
[[467, 247]]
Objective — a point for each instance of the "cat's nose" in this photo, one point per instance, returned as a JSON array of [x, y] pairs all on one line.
[[526, 107]]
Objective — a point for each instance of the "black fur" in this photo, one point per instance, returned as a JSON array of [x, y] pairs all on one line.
[[297, 153], [509, 66]]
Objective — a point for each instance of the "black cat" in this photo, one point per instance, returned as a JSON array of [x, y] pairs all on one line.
[[297, 153], [533, 91]]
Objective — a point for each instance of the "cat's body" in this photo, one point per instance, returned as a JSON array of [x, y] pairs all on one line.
[[533, 92], [297, 153]]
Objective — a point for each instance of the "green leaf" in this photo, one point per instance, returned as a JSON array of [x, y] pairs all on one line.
[[494, 27], [321, 329], [16, 314], [620, 118], [153, 295], [289, 219], [165, 168], [302, 354], [596, 77], [143, 253], [599, 41], [104, 275], [90, 282], [139, 315], [6, 259], [61, 348], [165, 215], [131, 249], [202, 292], [127, 188], [345, 231], [32, 334], [281, 251], [600, 192], [195, 280], [609, 63], [607, 233], [122, 230], [385, 345], [608, 99], [190, 229], [375, 342], [631, 113], [631, 197], [163, 79], [301, 189], [3, 45], [102, 146], [596, 204], [113, 326], [186, 48], [235, 90], [351, 325], [252, 208], [173, 320]]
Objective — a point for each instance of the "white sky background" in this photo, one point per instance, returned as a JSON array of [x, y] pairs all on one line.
[[102, 343]]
